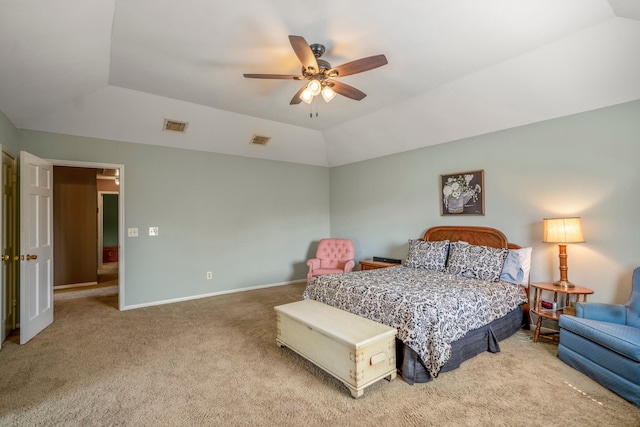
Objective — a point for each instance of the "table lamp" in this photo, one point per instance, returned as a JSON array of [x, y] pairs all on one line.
[[563, 231]]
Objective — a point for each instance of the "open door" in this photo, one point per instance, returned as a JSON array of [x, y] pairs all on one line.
[[36, 245]]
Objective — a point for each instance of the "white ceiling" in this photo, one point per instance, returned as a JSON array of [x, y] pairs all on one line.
[[457, 68]]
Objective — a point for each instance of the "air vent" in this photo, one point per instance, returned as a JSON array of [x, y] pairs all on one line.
[[260, 140], [175, 126]]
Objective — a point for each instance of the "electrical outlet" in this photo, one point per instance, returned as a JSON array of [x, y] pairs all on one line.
[[209, 275], [132, 232], [153, 231]]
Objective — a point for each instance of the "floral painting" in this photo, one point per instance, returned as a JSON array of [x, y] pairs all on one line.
[[462, 193]]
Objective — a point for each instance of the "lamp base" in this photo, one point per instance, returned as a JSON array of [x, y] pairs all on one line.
[[564, 284]]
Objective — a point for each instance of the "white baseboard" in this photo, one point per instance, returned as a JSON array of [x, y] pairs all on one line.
[[212, 294], [74, 285]]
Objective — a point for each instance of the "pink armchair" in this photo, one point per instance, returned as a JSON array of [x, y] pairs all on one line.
[[332, 256]]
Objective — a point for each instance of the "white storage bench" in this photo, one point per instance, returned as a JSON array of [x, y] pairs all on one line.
[[355, 350]]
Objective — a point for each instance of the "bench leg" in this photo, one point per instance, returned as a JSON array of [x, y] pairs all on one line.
[[355, 393]]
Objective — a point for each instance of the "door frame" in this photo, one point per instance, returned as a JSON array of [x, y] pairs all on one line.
[[121, 230], [9, 271]]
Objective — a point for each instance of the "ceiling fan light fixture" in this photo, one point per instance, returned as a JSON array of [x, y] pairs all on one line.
[[315, 87], [306, 95], [328, 94]]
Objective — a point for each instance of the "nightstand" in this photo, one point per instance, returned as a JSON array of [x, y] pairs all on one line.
[[571, 296], [373, 265]]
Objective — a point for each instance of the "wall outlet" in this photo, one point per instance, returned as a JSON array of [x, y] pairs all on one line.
[[153, 231], [132, 232], [209, 275]]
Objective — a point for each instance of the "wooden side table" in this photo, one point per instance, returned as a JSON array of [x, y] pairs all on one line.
[[372, 265], [571, 295]]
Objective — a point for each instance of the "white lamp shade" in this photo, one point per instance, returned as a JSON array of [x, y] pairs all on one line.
[[314, 86], [306, 95], [328, 94], [562, 230]]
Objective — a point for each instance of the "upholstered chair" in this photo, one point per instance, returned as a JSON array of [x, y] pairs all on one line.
[[603, 342], [332, 256]]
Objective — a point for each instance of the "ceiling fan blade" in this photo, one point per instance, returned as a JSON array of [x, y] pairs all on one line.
[[304, 54], [348, 91], [296, 98], [273, 76], [358, 66]]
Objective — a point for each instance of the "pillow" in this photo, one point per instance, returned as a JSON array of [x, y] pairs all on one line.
[[476, 262], [428, 255], [517, 267]]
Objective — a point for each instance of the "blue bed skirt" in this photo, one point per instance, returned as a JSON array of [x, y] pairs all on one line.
[[473, 343]]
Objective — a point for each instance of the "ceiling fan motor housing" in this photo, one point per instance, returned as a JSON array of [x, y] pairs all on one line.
[[322, 65], [318, 50]]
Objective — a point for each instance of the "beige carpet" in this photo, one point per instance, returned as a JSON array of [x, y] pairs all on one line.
[[214, 361]]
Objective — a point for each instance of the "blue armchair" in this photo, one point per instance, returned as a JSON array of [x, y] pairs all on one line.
[[603, 342]]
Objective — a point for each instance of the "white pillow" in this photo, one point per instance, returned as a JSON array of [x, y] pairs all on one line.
[[517, 267]]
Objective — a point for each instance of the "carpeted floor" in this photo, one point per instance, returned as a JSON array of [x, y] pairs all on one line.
[[107, 278], [214, 361]]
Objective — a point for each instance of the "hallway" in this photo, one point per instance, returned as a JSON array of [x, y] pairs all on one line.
[[107, 285]]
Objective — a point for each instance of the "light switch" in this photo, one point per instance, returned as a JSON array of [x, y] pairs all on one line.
[[132, 232], [153, 231]]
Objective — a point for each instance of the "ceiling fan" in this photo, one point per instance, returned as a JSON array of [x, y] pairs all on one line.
[[321, 75]]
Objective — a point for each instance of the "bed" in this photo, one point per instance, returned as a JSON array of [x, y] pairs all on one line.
[[460, 291]]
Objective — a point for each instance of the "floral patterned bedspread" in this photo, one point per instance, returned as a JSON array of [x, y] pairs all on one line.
[[430, 309]]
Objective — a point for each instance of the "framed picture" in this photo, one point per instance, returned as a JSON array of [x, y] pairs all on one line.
[[462, 193]]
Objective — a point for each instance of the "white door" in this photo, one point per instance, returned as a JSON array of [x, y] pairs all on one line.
[[36, 245]]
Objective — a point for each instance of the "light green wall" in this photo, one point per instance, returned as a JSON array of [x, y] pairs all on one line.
[[8, 135], [251, 222], [584, 165]]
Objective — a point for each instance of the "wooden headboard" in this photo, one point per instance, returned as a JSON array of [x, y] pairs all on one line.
[[484, 236]]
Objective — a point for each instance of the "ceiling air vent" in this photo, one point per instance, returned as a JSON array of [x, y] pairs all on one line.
[[175, 126], [260, 140]]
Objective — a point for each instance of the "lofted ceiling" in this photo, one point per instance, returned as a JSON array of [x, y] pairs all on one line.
[[457, 68]]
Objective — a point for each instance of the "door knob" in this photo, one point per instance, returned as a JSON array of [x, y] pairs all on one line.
[[5, 257], [29, 257]]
